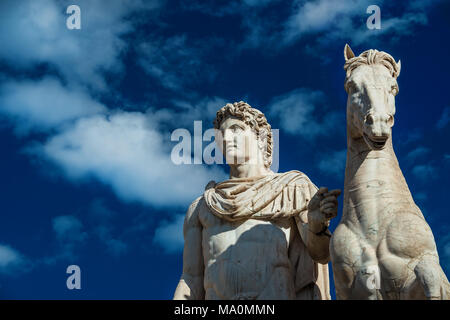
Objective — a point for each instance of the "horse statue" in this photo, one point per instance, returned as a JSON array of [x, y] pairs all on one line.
[[382, 248]]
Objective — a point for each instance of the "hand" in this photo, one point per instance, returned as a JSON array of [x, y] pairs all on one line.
[[322, 208]]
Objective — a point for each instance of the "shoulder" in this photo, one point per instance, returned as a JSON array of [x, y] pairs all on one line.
[[295, 177], [300, 182], [194, 206], [192, 214], [191, 220], [292, 174]]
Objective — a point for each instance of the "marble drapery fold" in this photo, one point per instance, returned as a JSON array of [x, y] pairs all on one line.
[[268, 197], [271, 197]]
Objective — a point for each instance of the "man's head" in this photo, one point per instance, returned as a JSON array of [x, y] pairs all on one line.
[[243, 134]]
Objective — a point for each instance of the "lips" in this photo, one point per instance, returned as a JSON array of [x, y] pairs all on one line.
[[376, 143]]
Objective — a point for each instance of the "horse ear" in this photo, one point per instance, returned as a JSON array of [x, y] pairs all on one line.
[[348, 53], [399, 65]]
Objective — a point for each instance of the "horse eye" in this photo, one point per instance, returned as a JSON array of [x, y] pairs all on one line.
[[351, 86], [394, 90]]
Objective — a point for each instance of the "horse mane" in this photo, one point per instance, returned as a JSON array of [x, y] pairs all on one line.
[[370, 57]]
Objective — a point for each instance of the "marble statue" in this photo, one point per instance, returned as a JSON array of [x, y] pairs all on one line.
[[259, 234], [382, 248]]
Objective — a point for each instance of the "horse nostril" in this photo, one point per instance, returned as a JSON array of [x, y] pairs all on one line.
[[390, 121], [369, 119]]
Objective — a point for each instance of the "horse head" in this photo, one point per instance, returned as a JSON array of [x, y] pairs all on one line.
[[371, 84]]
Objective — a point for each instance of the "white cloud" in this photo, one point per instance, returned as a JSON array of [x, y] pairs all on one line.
[[334, 20], [11, 261], [204, 110], [329, 21], [295, 113], [444, 119], [258, 3], [169, 234], [115, 247], [424, 171], [259, 20], [104, 229], [333, 163], [417, 153], [167, 60], [183, 113], [44, 104], [70, 234], [231, 7], [409, 137], [420, 196], [395, 27], [69, 229], [179, 61], [126, 152], [35, 32], [320, 15]]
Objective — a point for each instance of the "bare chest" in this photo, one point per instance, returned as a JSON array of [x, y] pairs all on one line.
[[247, 237]]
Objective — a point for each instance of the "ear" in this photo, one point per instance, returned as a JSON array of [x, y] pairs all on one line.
[[348, 53], [399, 65]]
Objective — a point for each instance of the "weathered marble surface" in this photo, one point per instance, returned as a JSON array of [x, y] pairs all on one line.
[[383, 248], [260, 234]]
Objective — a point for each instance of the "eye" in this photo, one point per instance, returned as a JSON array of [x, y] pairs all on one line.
[[350, 86], [236, 128], [394, 90], [369, 119]]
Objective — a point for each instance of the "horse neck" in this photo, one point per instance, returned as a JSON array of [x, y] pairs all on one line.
[[372, 177], [358, 152]]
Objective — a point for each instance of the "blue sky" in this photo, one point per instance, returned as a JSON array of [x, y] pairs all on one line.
[[86, 118]]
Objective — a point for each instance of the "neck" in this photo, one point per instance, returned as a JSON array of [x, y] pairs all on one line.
[[373, 179], [358, 151], [247, 170]]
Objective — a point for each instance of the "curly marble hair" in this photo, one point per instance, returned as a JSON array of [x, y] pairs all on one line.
[[255, 119]]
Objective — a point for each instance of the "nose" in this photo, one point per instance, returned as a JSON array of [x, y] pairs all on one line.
[[379, 124]]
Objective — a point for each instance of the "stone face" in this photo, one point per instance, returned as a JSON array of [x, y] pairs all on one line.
[[382, 248], [259, 234]]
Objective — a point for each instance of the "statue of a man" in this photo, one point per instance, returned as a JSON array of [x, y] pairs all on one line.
[[260, 234]]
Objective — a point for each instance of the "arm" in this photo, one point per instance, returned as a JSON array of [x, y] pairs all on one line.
[[191, 282], [313, 224]]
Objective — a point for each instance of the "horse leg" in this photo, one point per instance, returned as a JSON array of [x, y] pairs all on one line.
[[343, 279], [344, 250], [355, 267], [367, 283], [396, 274], [358, 282], [429, 274], [408, 235]]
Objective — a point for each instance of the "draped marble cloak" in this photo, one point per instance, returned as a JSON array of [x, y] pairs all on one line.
[[271, 197]]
